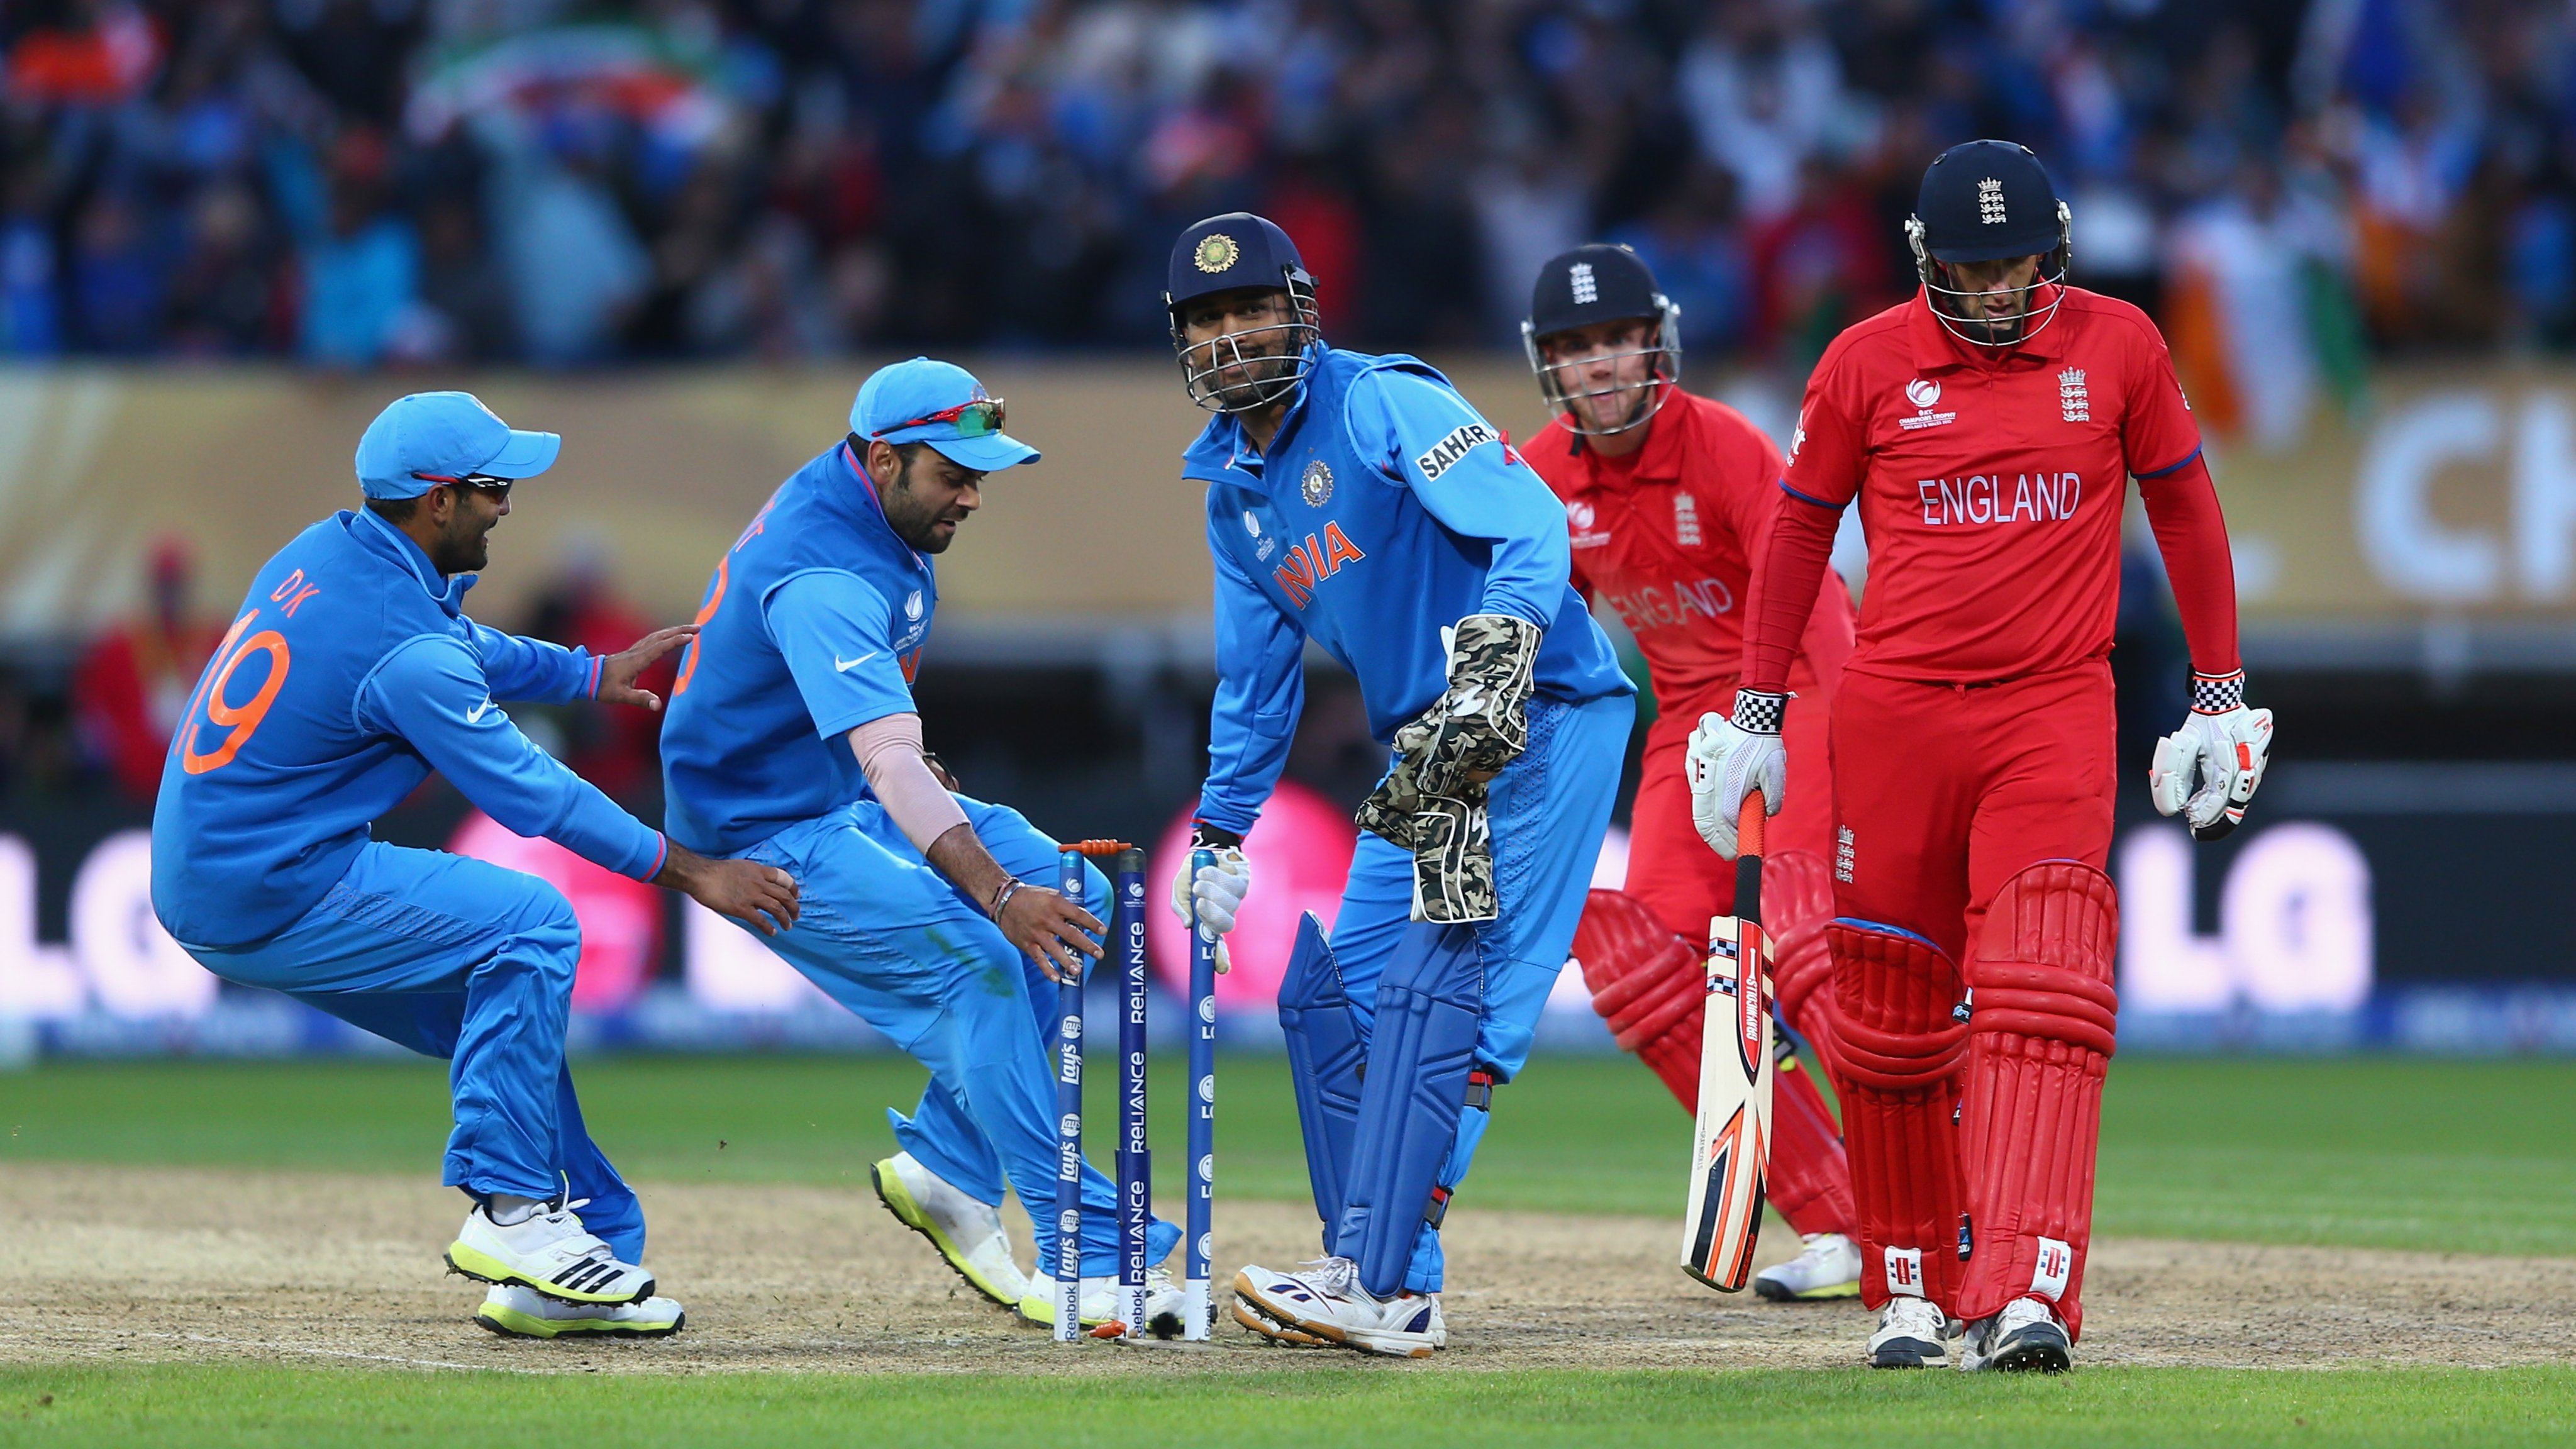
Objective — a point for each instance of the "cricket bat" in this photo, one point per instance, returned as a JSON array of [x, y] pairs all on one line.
[[1731, 1144]]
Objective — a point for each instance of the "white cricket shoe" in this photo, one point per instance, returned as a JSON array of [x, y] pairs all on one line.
[[1828, 1268], [550, 1252], [516, 1312], [2026, 1335], [1910, 1335], [967, 1233], [1278, 1332], [1163, 1304], [1326, 1301]]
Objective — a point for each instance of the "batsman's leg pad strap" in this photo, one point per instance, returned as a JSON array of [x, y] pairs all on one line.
[[2040, 1042], [1326, 1052], [1430, 1005], [1900, 1048], [1649, 985], [1810, 1178]]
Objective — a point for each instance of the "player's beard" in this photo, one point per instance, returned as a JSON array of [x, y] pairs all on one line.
[[466, 545], [916, 522]]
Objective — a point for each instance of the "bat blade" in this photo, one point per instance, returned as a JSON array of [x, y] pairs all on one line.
[[1731, 1139]]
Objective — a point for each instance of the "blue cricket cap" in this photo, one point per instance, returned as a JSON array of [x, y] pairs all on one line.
[[909, 391], [429, 438]]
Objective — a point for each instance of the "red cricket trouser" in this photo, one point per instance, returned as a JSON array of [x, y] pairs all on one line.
[[1943, 795]]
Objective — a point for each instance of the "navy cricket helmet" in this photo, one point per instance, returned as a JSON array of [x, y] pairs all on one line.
[[1602, 283], [1984, 201], [1252, 368]]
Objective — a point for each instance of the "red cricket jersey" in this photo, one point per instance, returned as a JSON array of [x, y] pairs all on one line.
[[1991, 483], [1666, 537]]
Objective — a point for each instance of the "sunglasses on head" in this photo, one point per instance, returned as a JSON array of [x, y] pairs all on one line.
[[479, 482], [978, 419]]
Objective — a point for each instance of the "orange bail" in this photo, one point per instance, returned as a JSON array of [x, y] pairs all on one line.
[[1094, 848]]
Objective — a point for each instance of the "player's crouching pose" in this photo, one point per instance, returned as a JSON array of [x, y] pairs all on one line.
[[1360, 503], [350, 674], [793, 740], [1988, 428], [1668, 498]]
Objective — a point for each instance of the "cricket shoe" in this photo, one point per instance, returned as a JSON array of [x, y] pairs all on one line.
[[550, 1252], [1327, 1301], [1163, 1304], [516, 1312], [1278, 1332], [1828, 1268], [1911, 1334], [967, 1233], [2026, 1335]]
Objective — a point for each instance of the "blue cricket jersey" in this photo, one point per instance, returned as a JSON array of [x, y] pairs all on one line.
[[351, 673], [812, 626], [1385, 510]]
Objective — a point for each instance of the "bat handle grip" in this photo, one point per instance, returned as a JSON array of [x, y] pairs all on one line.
[[1750, 817]]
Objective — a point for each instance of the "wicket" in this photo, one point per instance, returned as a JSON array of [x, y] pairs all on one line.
[[1135, 1171]]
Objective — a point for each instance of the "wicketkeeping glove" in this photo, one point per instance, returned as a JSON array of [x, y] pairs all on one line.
[[1727, 760], [2207, 771], [1433, 801], [1217, 891]]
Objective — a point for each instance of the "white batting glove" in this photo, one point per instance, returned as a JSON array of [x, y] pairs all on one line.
[[2207, 771], [1730, 759], [1217, 894]]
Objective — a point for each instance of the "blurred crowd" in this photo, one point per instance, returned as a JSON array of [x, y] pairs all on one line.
[[368, 182]]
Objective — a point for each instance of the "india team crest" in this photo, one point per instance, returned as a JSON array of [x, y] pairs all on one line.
[[1317, 485], [1216, 253]]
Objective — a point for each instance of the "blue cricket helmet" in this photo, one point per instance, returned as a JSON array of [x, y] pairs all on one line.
[[1984, 201], [1256, 366]]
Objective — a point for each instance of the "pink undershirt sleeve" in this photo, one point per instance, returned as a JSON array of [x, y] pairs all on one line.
[[889, 752]]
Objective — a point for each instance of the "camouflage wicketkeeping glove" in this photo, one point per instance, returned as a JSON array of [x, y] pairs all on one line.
[[1433, 801]]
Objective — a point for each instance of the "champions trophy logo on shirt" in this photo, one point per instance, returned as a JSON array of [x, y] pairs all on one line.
[[1923, 395], [1580, 514], [1990, 201], [2072, 401]]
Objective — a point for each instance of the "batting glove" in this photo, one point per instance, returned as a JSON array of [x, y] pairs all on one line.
[[1729, 759], [2207, 771]]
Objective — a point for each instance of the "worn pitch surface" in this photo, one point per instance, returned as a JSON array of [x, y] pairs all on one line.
[[128, 1264]]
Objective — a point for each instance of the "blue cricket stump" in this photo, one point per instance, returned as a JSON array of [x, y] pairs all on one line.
[[1135, 1162], [1201, 1240], [1068, 1130]]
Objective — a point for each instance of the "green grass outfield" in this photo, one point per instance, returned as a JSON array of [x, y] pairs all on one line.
[[2393, 1153], [2374, 1153], [183, 1407]]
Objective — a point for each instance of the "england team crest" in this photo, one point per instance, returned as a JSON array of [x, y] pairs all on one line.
[[1317, 485]]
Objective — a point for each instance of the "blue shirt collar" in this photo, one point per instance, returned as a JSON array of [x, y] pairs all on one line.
[[874, 508], [386, 541]]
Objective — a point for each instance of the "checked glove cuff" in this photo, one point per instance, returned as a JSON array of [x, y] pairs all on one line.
[[2217, 693], [1758, 712]]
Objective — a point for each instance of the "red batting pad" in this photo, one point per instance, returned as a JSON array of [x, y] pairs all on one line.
[[1650, 985], [1810, 1180], [1896, 1068], [2039, 1044], [1797, 901]]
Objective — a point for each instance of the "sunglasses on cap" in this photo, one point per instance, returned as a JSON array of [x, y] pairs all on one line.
[[978, 419], [479, 482]]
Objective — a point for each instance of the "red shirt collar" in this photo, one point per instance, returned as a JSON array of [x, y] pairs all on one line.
[[1936, 349]]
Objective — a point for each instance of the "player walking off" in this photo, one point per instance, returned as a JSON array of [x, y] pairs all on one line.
[[350, 674], [1359, 503], [1668, 498], [1987, 428], [793, 741]]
